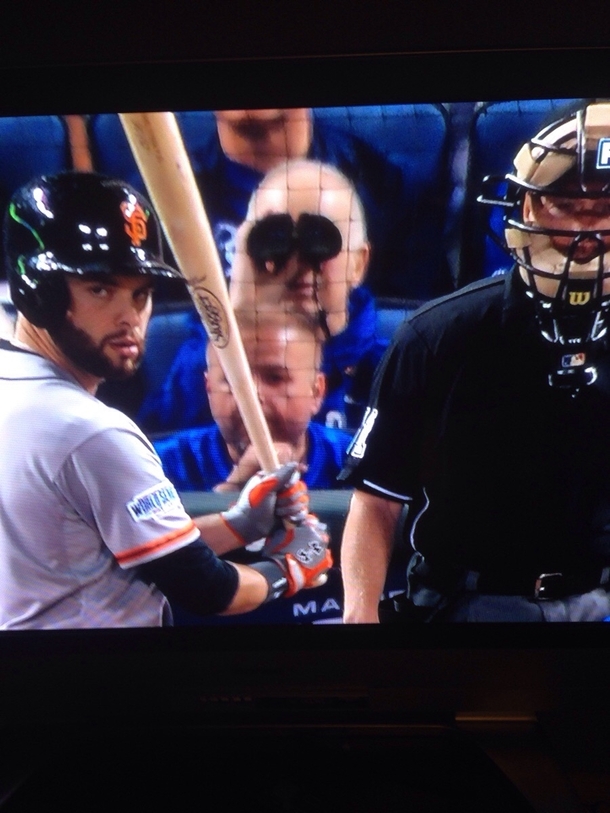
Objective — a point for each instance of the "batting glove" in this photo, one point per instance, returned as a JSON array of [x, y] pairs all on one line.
[[265, 500], [302, 553]]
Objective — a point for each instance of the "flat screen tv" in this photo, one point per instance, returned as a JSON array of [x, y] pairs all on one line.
[[435, 123]]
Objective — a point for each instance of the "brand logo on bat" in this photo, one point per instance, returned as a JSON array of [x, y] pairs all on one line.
[[136, 222], [214, 316]]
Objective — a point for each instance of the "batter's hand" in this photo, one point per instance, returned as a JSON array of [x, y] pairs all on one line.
[[302, 553], [265, 501]]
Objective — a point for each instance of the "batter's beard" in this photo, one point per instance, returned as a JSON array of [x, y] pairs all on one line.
[[81, 350]]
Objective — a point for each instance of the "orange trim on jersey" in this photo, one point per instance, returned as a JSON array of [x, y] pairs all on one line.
[[126, 557]]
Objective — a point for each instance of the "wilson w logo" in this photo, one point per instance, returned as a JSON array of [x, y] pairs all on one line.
[[579, 297]]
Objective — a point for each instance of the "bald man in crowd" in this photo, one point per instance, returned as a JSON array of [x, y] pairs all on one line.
[[303, 247]]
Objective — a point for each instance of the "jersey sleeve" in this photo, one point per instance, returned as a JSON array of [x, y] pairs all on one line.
[[385, 453], [115, 483]]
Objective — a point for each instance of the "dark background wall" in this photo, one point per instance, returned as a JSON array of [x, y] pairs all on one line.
[[39, 32]]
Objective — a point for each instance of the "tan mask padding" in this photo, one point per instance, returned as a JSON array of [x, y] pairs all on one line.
[[542, 167]]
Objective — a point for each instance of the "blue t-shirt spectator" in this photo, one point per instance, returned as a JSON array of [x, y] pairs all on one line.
[[198, 460], [348, 361]]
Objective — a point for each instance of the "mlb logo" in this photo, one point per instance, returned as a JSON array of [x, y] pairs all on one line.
[[603, 154], [573, 360]]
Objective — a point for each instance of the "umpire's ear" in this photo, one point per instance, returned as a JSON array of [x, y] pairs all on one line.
[[359, 262]]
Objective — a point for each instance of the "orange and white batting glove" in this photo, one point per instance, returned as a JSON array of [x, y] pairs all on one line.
[[265, 501], [302, 553]]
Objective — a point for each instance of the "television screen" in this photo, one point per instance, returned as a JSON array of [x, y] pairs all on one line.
[[406, 159]]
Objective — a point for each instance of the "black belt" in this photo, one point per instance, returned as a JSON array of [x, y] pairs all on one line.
[[543, 586]]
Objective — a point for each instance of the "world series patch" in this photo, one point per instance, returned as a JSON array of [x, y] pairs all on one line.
[[156, 501]]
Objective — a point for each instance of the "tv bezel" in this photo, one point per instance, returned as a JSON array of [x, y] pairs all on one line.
[[316, 673]]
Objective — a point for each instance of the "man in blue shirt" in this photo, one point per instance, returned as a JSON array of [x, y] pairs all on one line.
[[284, 355], [284, 351]]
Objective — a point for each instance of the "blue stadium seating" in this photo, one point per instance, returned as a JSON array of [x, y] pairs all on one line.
[[412, 138], [29, 146], [112, 155], [168, 328]]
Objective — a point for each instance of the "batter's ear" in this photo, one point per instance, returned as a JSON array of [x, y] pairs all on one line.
[[361, 257]]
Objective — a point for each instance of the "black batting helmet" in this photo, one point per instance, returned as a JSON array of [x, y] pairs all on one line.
[[75, 223]]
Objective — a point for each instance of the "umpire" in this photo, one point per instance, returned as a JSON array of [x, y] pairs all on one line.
[[495, 401]]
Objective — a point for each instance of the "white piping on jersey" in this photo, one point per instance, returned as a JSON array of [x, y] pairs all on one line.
[[417, 518], [385, 491]]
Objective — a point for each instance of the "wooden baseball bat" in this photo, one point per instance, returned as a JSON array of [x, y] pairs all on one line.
[[159, 151]]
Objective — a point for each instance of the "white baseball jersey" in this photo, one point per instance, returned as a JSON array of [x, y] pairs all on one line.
[[83, 499]]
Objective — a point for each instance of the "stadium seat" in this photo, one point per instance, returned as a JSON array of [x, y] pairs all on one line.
[[390, 314], [498, 131], [111, 153], [413, 138], [169, 326]]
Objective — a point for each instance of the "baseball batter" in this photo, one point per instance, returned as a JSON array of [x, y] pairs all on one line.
[[92, 533], [496, 401]]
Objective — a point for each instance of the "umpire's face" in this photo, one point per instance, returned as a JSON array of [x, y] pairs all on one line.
[[106, 324], [297, 284], [574, 231]]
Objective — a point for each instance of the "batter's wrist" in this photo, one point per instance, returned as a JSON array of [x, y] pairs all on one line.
[[274, 576]]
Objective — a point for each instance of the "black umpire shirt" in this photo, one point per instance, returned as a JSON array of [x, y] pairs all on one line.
[[502, 472]]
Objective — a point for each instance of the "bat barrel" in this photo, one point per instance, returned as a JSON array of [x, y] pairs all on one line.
[[159, 151]]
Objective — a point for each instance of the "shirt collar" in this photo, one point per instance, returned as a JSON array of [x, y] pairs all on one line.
[[517, 307]]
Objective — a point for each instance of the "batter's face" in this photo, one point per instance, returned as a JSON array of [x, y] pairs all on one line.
[[105, 327], [298, 287], [284, 363]]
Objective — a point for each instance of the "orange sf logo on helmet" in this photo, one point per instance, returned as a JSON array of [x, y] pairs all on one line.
[[135, 222]]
